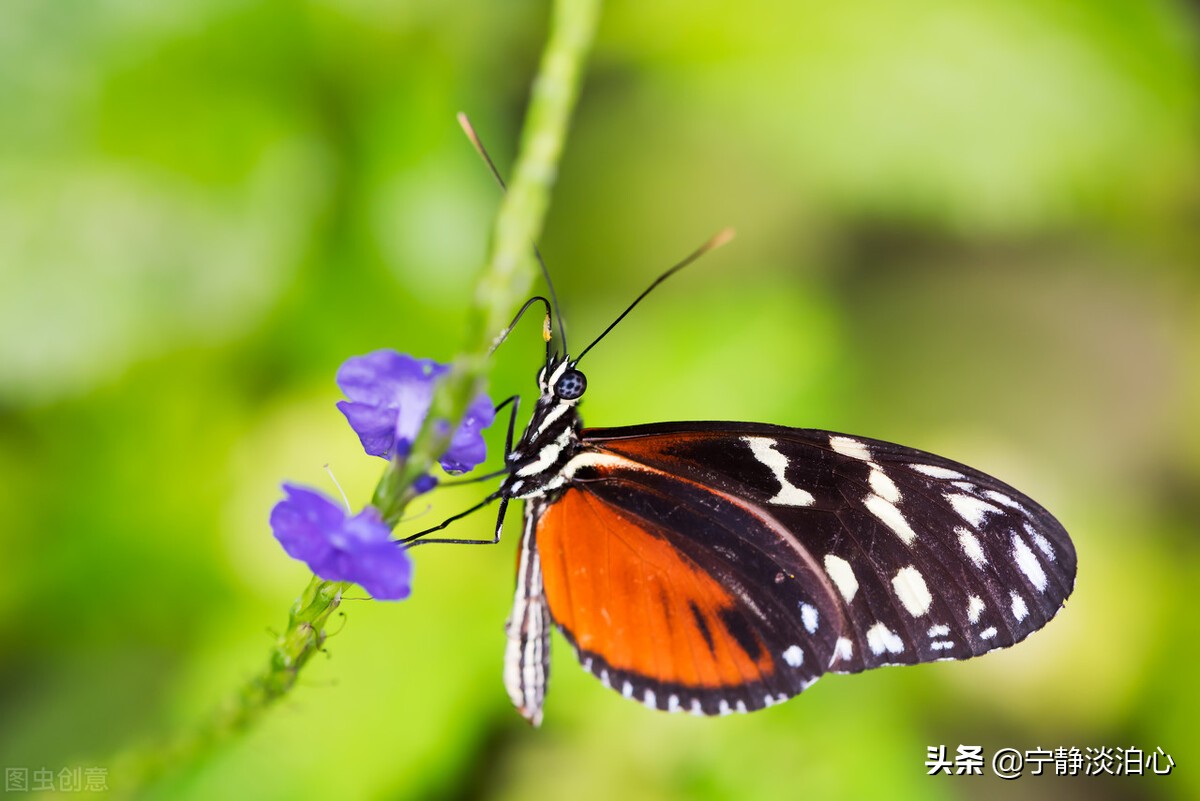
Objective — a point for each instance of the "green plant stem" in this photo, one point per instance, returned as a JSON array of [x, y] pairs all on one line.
[[503, 284], [303, 637], [505, 280]]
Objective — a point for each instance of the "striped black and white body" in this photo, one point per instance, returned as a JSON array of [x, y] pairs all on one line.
[[719, 567], [536, 465], [537, 469]]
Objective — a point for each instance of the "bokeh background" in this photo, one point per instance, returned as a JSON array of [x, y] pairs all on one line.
[[969, 227]]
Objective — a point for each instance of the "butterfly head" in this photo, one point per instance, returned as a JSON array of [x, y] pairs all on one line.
[[552, 437], [560, 381]]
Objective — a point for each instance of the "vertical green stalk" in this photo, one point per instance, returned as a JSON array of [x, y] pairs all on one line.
[[503, 284], [505, 281]]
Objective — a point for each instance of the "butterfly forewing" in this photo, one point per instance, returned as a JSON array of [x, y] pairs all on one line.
[[924, 558]]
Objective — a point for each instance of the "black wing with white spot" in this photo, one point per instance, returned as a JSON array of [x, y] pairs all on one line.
[[926, 559]]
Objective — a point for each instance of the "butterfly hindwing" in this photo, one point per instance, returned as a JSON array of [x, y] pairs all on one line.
[[681, 597], [925, 558]]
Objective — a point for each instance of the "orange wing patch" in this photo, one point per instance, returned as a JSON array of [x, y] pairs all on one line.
[[624, 594]]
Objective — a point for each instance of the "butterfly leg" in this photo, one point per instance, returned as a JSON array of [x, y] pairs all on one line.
[[414, 540], [515, 402]]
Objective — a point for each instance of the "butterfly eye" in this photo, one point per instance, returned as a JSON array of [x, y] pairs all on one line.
[[571, 385]]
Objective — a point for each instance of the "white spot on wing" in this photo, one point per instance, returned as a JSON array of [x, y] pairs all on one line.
[[971, 547], [844, 649], [723, 708], [650, 699], [880, 638], [988, 633], [910, 588], [974, 608], [1041, 542], [1029, 564], [1003, 500], [695, 708], [842, 575], [942, 645], [850, 447], [810, 618], [971, 509], [883, 486], [939, 630], [1019, 609], [933, 471], [788, 495], [793, 656], [891, 517], [673, 703], [627, 690]]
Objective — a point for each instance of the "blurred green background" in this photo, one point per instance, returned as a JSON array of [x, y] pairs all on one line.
[[968, 227]]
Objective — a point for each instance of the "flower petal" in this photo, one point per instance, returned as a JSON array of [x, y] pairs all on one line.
[[366, 529], [467, 448], [390, 394], [384, 570], [300, 521], [315, 530], [375, 426], [413, 400], [377, 377]]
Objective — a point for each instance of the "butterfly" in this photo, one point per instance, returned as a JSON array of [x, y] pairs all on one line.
[[718, 567]]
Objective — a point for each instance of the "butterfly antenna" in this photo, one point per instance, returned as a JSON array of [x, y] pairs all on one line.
[[503, 335], [469, 130], [720, 238]]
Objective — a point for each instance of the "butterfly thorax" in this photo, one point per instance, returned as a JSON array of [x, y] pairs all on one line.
[[535, 465]]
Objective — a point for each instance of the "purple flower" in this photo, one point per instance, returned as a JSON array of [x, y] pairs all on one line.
[[317, 531], [389, 395]]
